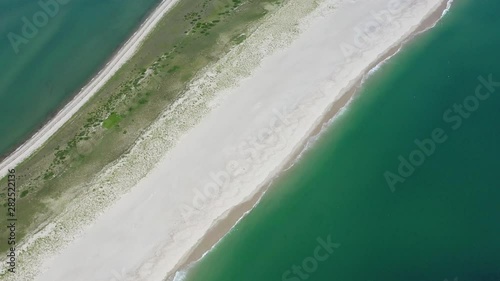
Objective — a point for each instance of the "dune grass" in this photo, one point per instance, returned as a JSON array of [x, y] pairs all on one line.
[[192, 35]]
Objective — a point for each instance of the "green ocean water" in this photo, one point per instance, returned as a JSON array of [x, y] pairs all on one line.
[[441, 223], [69, 43]]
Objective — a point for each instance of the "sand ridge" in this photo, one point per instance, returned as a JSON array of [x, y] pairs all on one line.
[[231, 133]]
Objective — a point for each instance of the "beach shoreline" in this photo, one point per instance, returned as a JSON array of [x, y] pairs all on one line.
[[227, 221], [169, 245], [121, 56]]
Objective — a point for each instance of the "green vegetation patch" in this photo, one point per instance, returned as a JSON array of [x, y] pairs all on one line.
[[112, 120], [186, 40]]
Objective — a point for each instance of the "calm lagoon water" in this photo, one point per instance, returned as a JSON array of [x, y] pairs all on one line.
[[49, 51]]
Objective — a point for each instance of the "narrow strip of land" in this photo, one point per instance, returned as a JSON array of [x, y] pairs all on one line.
[[120, 58], [250, 132]]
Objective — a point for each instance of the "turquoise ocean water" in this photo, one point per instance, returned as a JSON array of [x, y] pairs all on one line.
[[49, 51], [441, 223]]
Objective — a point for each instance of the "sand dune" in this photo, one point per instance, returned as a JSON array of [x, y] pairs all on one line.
[[247, 116]]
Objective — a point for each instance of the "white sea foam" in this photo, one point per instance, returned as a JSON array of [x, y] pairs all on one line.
[[448, 7], [180, 275]]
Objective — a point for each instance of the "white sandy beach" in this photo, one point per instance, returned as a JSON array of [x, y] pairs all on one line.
[[233, 131], [119, 59]]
